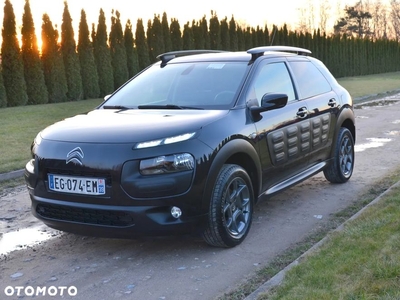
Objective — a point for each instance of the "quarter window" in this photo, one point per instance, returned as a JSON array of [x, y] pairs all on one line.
[[310, 80]]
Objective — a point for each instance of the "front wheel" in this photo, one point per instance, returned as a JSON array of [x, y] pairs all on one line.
[[341, 168], [231, 208]]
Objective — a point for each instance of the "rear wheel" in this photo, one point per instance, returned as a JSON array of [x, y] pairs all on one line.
[[231, 208], [341, 168]]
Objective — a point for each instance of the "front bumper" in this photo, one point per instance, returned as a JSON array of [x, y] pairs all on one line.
[[113, 221]]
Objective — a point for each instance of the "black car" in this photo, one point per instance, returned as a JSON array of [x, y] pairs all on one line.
[[191, 143]]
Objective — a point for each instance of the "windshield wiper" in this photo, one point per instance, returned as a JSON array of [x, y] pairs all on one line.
[[167, 106], [115, 107]]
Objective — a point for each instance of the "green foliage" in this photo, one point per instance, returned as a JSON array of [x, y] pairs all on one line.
[[102, 56], [225, 36], [70, 57], [90, 79], [206, 34], [188, 41], [155, 38], [233, 34], [118, 52], [3, 96], [141, 45], [33, 69], [215, 32], [166, 34], [131, 53], [53, 65], [11, 60], [356, 21], [176, 35]]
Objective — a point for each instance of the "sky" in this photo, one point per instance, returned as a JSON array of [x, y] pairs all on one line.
[[252, 13]]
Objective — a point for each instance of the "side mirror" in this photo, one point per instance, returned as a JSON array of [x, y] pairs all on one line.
[[106, 97], [270, 101]]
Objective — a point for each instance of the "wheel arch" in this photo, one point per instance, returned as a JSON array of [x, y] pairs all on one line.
[[239, 152], [347, 119]]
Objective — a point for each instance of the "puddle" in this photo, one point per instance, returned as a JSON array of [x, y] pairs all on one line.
[[23, 238], [377, 103], [393, 132], [372, 143], [396, 122]]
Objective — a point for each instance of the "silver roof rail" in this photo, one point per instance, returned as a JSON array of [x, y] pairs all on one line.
[[166, 57], [259, 51]]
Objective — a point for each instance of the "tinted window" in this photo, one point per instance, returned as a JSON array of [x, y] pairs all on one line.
[[272, 78], [310, 79]]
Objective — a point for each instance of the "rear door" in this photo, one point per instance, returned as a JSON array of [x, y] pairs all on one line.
[[283, 134], [322, 103]]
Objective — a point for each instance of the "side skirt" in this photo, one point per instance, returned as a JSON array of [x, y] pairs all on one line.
[[296, 179]]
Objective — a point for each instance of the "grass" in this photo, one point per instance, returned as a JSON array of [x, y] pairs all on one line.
[[20, 125], [291, 254], [360, 262], [379, 84]]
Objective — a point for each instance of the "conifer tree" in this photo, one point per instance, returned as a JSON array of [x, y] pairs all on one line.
[[198, 38], [187, 38], [260, 36], [215, 32], [118, 52], [11, 60], [102, 56], [53, 65], [33, 69], [141, 45], [225, 37], [176, 35], [206, 33], [155, 38], [90, 79], [241, 42], [3, 96], [70, 57], [131, 53], [233, 35], [166, 33], [248, 40]]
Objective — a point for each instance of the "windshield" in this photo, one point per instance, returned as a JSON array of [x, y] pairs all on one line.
[[207, 85]]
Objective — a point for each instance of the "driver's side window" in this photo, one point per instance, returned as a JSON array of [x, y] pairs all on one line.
[[272, 78]]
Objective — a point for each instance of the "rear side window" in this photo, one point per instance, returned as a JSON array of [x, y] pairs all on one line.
[[310, 80]]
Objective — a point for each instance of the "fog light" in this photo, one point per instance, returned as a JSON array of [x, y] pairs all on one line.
[[176, 212]]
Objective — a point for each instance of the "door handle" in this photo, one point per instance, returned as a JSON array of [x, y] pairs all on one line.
[[302, 112], [332, 102]]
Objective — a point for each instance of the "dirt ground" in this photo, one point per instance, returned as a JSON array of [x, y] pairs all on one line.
[[36, 260]]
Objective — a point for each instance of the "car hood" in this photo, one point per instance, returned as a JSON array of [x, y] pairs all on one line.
[[127, 126]]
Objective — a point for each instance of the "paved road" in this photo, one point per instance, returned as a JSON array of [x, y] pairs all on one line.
[[185, 267]]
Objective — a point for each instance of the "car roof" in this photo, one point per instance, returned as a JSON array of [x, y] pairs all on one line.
[[216, 55]]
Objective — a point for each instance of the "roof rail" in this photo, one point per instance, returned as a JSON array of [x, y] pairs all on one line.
[[259, 51], [166, 57]]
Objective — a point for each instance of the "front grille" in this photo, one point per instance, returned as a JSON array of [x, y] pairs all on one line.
[[85, 215]]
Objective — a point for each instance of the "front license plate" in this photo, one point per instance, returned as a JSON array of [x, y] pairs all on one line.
[[77, 185]]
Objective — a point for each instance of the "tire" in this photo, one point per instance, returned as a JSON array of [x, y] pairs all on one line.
[[231, 208], [341, 167]]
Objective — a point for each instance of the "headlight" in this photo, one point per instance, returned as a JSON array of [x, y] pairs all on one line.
[[38, 139], [165, 141], [167, 164]]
